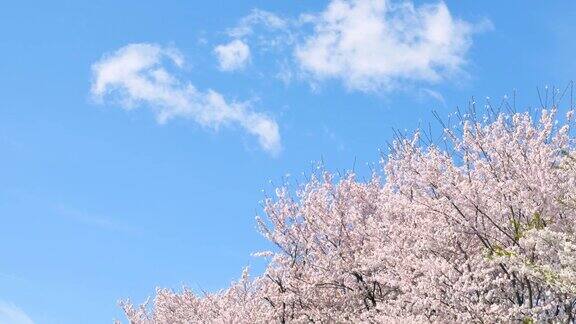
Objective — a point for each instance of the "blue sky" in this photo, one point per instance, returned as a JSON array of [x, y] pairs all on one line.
[[138, 138]]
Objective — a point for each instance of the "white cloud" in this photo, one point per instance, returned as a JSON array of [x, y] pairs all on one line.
[[233, 56], [137, 75], [10, 313], [375, 44], [257, 17], [368, 45]]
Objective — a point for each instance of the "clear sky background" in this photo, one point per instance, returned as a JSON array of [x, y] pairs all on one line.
[[134, 151]]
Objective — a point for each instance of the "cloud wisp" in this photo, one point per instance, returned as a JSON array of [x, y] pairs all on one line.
[[368, 45], [10, 313], [257, 18], [233, 56], [137, 75]]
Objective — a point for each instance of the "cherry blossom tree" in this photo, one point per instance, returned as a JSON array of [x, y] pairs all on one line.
[[480, 228]]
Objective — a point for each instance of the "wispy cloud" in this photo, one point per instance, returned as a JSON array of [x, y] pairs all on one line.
[[138, 75], [434, 95], [369, 45], [233, 56], [258, 17], [12, 278], [266, 31], [10, 313]]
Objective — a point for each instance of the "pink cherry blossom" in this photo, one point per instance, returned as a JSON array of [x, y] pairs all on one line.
[[478, 229]]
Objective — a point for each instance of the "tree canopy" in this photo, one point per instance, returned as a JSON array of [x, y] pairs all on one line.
[[479, 228]]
